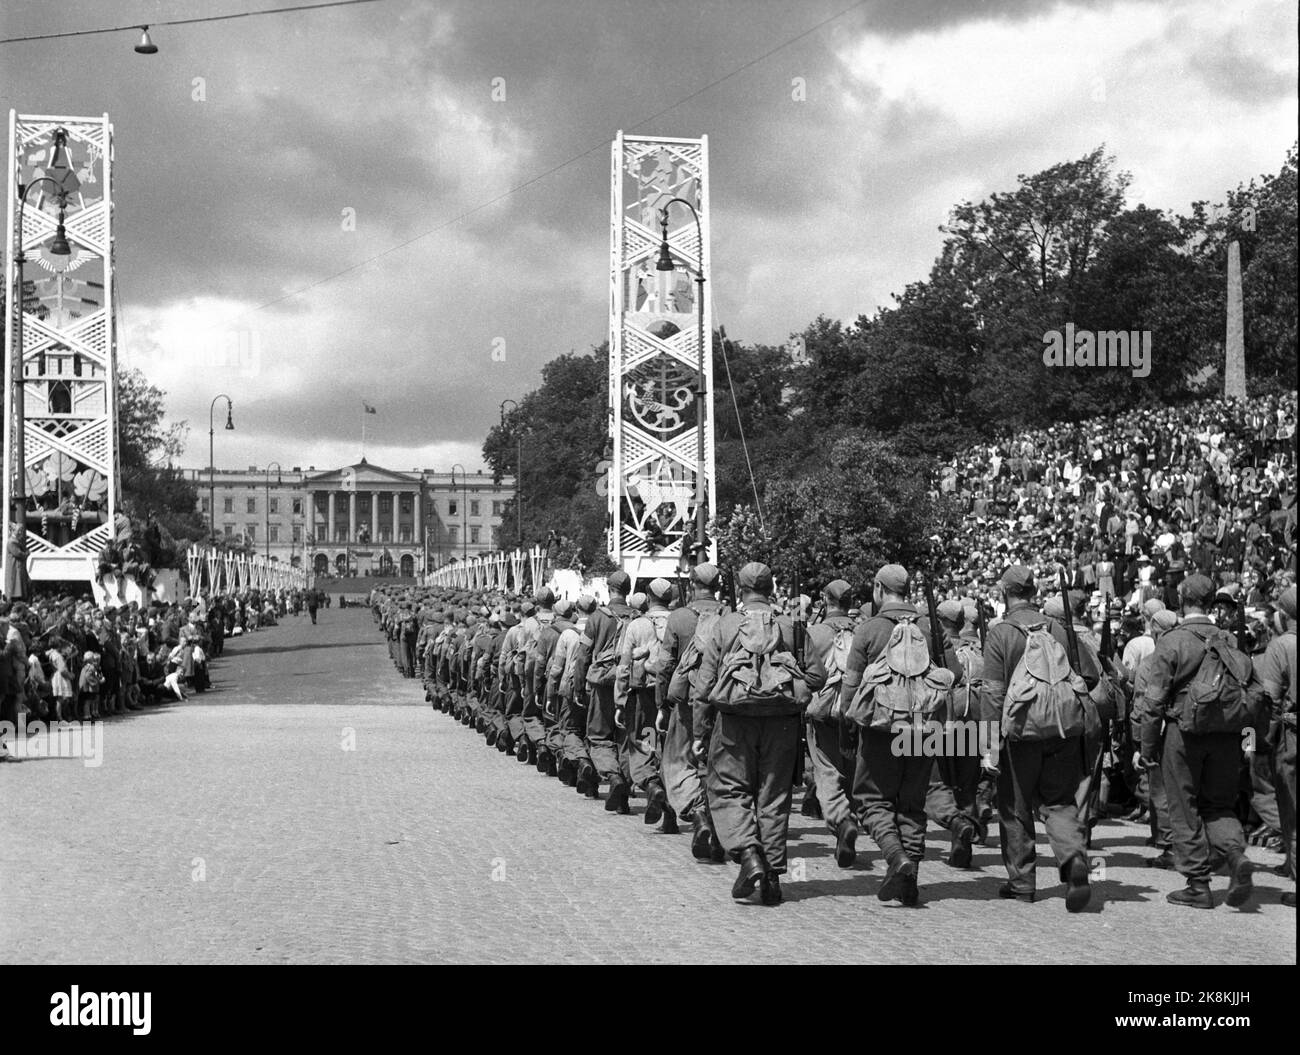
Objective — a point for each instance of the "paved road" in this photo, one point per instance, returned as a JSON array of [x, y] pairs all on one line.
[[313, 808]]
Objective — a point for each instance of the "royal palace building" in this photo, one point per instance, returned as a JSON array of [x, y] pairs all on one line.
[[362, 519]]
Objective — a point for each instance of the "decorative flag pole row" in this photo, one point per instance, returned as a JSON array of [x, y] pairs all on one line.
[[519, 570], [214, 573]]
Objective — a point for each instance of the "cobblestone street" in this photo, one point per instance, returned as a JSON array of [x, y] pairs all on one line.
[[312, 808]]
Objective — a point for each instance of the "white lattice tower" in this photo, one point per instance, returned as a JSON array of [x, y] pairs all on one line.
[[69, 364], [654, 353]]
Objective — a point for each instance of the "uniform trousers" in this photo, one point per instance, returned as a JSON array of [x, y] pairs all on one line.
[[1034, 774], [889, 794], [683, 776], [832, 770], [749, 785], [1201, 773], [603, 737]]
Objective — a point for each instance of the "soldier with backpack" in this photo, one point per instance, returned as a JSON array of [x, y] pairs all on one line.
[[565, 738], [643, 660], [747, 700], [1029, 683], [539, 717], [950, 800], [828, 734], [1202, 687], [599, 650], [890, 684], [1276, 671], [687, 631]]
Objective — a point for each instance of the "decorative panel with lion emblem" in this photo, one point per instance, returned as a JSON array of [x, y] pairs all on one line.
[[68, 354], [655, 417]]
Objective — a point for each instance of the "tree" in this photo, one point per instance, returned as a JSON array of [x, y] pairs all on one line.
[[154, 491], [864, 506]]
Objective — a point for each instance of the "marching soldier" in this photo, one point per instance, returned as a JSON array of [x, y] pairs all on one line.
[[832, 746], [566, 670], [1277, 677], [888, 787], [1035, 775], [1201, 685], [642, 662], [599, 652], [747, 703], [682, 771], [950, 799]]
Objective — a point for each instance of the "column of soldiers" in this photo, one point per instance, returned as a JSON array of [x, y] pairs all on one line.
[[896, 712]]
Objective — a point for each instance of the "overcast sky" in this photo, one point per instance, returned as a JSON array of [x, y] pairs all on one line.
[[230, 208]]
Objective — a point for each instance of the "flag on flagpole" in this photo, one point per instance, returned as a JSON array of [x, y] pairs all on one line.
[[369, 408]]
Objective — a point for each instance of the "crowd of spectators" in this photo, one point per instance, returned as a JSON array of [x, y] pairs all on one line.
[[67, 659], [1129, 505]]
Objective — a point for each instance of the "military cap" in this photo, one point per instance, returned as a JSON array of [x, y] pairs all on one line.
[[1152, 606], [952, 613], [1196, 590], [756, 576], [1018, 577], [619, 581], [509, 619], [563, 607], [1287, 602], [637, 601], [1053, 609], [527, 608], [894, 578], [544, 597], [660, 589], [837, 591], [1164, 619], [586, 603], [705, 574]]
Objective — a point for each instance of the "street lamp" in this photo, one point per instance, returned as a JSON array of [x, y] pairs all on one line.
[[519, 472], [666, 263], [58, 247], [464, 525], [279, 479], [212, 462]]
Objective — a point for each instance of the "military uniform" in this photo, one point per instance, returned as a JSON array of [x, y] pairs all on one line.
[[599, 652], [1276, 670], [641, 662], [752, 745], [1035, 775], [1201, 771]]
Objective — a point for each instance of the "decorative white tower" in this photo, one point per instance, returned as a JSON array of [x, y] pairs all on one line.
[[60, 193], [656, 417]]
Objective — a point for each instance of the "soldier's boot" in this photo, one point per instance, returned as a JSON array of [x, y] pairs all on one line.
[[963, 839], [752, 869], [1241, 885], [902, 872], [567, 772], [701, 837], [846, 839], [911, 890], [1078, 892], [545, 762], [770, 889], [616, 800], [588, 781], [521, 750], [811, 807], [1288, 898], [1195, 895], [656, 801], [669, 826], [1163, 860]]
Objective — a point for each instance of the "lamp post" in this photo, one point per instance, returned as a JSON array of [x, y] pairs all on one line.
[[58, 247], [665, 263], [279, 479], [212, 462], [464, 525], [519, 473]]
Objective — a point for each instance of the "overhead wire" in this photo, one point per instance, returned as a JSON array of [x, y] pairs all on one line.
[[183, 21]]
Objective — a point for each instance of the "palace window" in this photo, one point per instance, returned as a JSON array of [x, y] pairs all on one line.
[[252, 505], [228, 505], [275, 506], [473, 508], [297, 507]]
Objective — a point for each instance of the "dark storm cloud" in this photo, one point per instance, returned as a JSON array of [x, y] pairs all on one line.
[[826, 204]]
